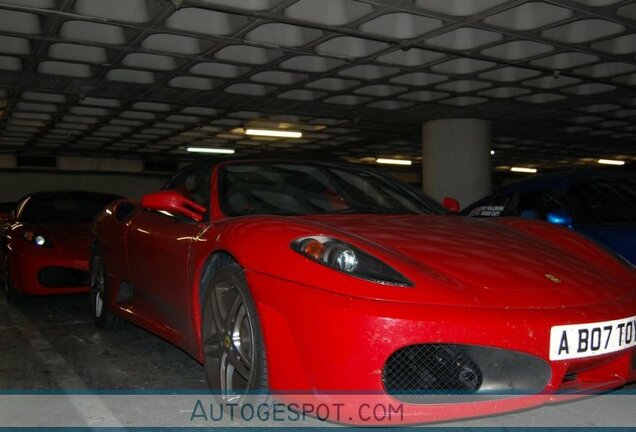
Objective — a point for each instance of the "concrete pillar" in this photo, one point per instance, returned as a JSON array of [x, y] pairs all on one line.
[[456, 159]]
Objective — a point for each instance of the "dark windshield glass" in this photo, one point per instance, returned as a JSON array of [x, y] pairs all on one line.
[[605, 201], [63, 208], [296, 189]]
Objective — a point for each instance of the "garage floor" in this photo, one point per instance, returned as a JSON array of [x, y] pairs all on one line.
[[52, 344]]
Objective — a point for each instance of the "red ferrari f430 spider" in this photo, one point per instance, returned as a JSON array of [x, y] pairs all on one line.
[[319, 280], [44, 242]]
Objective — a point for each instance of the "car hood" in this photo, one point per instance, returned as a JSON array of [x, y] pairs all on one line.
[[486, 261], [71, 237], [620, 237]]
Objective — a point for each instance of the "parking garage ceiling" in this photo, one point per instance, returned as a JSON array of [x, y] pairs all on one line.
[[144, 79]]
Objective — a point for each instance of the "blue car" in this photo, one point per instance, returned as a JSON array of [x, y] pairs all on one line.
[[598, 204]]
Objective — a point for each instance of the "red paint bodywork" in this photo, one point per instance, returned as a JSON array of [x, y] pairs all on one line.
[[25, 259], [476, 282], [66, 249]]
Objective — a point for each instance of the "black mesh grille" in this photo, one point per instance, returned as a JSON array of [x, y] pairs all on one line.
[[62, 277], [425, 369]]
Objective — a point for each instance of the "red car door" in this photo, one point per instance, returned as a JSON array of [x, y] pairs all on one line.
[[158, 252], [158, 247]]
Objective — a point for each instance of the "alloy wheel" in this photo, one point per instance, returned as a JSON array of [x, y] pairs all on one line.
[[229, 342]]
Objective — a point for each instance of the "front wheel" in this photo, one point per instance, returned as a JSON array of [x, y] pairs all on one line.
[[233, 346], [98, 294], [9, 290]]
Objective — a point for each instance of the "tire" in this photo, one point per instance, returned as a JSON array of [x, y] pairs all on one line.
[[235, 362], [10, 293], [103, 317]]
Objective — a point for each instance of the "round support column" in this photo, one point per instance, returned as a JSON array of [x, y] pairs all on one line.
[[456, 159]]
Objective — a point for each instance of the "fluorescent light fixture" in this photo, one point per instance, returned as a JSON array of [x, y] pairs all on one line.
[[210, 150], [394, 161], [274, 133], [611, 162], [523, 170]]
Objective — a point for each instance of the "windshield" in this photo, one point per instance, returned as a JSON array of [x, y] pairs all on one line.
[[63, 208], [605, 201], [298, 189]]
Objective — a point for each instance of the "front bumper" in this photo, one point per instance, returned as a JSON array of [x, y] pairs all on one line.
[[327, 347], [49, 273]]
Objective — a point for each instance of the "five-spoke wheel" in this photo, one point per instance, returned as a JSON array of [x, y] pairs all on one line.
[[98, 293], [8, 288], [234, 355]]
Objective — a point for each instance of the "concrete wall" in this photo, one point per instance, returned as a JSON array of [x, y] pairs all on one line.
[[15, 184], [120, 176]]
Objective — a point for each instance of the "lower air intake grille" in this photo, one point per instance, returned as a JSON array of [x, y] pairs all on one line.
[[434, 368], [62, 277]]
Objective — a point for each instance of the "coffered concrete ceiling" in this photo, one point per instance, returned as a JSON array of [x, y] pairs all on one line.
[[145, 78]]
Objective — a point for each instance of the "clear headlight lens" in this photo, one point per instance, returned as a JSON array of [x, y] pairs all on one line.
[[37, 239], [346, 258]]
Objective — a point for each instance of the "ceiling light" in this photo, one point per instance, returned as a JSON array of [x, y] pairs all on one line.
[[523, 170], [210, 150], [611, 162], [492, 152], [274, 133], [394, 161]]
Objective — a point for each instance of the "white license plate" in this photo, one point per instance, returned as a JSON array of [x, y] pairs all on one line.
[[586, 340]]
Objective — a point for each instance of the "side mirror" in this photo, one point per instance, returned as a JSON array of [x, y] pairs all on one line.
[[172, 201], [560, 217], [451, 204]]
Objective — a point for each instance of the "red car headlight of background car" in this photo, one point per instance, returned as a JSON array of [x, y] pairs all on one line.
[[348, 259], [37, 239]]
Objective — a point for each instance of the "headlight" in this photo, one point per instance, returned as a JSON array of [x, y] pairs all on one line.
[[348, 259], [37, 239]]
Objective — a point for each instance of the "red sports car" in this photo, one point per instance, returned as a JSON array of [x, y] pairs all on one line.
[[44, 243], [337, 285]]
